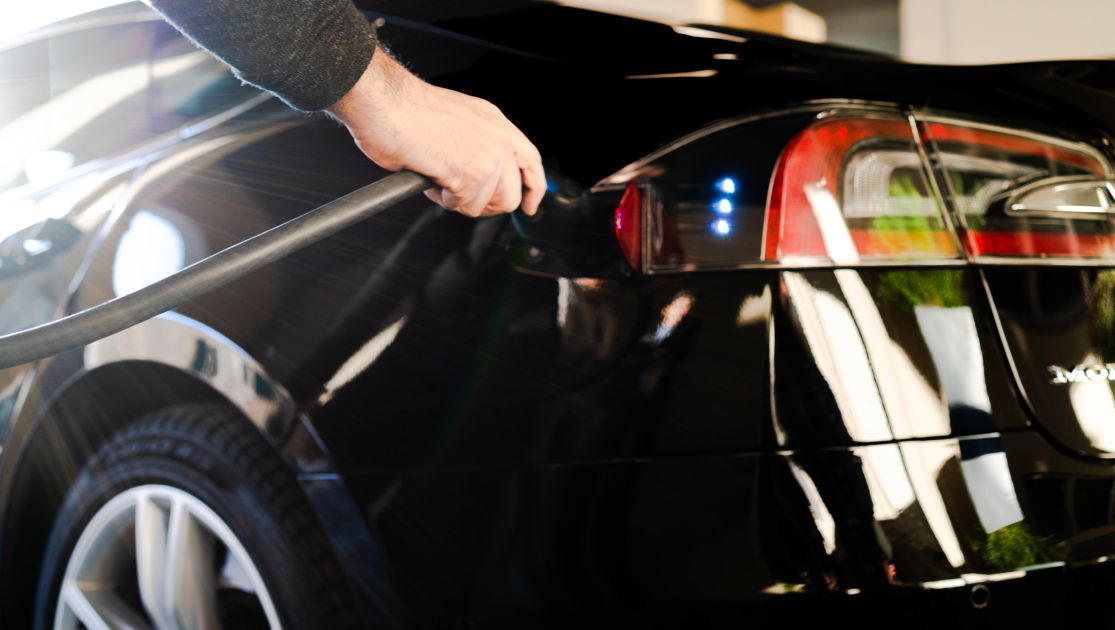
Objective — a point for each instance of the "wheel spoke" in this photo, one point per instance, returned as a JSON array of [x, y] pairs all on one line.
[[82, 608], [151, 542], [149, 558], [190, 589], [235, 575]]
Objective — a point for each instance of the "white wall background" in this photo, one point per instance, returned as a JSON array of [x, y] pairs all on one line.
[[708, 11], [994, 31]]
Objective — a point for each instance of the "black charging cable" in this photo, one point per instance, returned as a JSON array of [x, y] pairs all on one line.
[[100, 321]]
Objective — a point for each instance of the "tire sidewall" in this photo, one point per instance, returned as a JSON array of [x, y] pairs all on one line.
[[182, 461]]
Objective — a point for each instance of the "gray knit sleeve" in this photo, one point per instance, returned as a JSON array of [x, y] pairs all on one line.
[[308, 52]]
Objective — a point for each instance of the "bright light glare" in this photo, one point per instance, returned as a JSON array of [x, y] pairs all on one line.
[[723, 206], [44, 127], [727, 186], [151, 249], [46, 166], [17, 18], [722, 227]]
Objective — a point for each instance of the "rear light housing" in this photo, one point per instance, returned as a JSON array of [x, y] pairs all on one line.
[[850, 186], [850, 189], [1022, 196]]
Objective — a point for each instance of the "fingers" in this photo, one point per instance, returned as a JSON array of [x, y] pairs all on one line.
[[471, 202], [481, 163], [502, 191], [533, 179], [509, 191]]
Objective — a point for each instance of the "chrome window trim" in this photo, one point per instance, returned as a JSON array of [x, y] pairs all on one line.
[[1015, 202], [820, 265]]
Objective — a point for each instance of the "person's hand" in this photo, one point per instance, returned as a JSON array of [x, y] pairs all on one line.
[[481, 162]]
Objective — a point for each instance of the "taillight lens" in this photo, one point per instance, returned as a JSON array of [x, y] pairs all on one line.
[[1025, 195], [854, 186], [852, 189], [629, 225]]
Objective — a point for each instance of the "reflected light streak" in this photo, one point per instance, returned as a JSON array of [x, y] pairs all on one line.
[[21, 212], [44, 127], [835, 341], [46, 166], [588, 284], [174, 339], [696, 31], [924, 462], [754, 309], [989, 484], [361, 360], [16, 215], [887, 481], [950, 333], [695, 74], [1094, 405], [211, 149], [672, 315], [18, 18], [150, 249], [913, 406], [563, 301], [826, 524], [830, 220]]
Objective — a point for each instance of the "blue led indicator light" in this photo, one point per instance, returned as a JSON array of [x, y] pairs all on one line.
[[727, 186], [722, 227], [724, 206]]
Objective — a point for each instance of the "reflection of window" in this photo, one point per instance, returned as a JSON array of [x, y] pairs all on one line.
[[91, 93], [199, 90]]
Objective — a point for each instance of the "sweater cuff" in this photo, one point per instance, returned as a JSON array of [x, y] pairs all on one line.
[[331, 63]]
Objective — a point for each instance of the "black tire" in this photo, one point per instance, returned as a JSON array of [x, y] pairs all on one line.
[[214, 454]]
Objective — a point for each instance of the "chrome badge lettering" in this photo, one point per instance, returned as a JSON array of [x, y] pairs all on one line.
[[1082, 373]]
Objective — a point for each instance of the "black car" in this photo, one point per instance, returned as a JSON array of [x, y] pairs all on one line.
[[802, 331]]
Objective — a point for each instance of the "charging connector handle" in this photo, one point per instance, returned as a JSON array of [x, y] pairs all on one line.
[[209, 273]]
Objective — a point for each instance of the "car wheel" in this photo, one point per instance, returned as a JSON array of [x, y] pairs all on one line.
[[187, 518]]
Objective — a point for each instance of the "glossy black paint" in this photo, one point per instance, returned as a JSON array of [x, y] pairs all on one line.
[[490, 441]]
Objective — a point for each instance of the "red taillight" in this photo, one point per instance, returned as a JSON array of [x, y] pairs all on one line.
[[987, 173], [848, 189], [629, 225], [975, 137]]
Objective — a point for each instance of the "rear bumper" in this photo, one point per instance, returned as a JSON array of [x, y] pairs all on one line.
[[919, 522]]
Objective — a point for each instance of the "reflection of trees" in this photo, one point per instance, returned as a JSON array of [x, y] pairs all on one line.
[[1072, 515], [1006, 548], [1013, 547], [930, 287], [1103, 299]]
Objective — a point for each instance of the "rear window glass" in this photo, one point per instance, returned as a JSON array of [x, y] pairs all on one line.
[[92, 93]]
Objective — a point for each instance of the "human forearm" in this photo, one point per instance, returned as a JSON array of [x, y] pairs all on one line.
[[308, 52]]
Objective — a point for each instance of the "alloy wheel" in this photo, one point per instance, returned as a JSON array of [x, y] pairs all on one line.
[[156, 556]]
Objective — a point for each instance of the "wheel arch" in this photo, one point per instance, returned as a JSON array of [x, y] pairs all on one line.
[[72, 407]]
